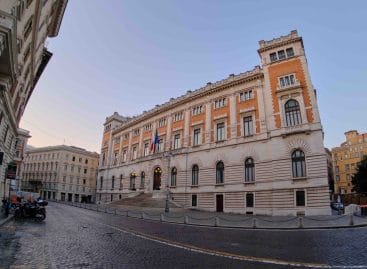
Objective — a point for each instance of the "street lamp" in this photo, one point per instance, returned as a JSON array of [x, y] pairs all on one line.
[[168, 155]]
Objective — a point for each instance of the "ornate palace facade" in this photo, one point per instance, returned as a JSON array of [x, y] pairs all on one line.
[[251, 143]]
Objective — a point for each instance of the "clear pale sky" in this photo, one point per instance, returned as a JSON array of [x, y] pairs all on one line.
[[127, 56]]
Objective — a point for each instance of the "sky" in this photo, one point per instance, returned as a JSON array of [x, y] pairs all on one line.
[[127, 56]]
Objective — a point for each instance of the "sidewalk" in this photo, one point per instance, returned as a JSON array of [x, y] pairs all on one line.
[[215, 219]]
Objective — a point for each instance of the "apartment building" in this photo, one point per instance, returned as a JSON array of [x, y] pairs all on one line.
[[251, 143], [346, 158], [65, 173], [24, 27]]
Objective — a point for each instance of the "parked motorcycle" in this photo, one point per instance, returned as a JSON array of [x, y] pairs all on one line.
[[34, 211]]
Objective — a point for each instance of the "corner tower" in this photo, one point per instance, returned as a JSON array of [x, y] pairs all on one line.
[[286, 77]]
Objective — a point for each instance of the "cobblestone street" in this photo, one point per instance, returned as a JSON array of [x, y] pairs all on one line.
[[78, 238]]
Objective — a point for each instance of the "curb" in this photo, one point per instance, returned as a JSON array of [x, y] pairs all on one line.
[[3, 221]]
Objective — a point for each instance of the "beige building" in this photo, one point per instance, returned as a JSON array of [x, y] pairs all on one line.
[[251, 143], [346, 159], [24, 28], [20, 147], [63, 173]]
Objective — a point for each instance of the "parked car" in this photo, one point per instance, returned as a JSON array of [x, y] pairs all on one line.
[[337, 206]]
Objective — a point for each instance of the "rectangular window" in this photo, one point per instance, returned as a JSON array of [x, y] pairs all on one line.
[[286, 81], [220, 131], [197, 110], [220, 103], [281, 54], [162, 122], [247, 95], [146, 149], [160, 145], [148, 127], [135, 152], [124, 155], [336, 169], [337, 178], [136, 132], [115, 157], [197, 137], [194, 200], [177, 141], [347, 167], [85, 170], [178, 116], [300, 198], [273, 57], [290, 52], [249, 200], [247, 126]]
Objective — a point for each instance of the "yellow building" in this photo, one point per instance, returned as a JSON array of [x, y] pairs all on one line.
[[346, 159]]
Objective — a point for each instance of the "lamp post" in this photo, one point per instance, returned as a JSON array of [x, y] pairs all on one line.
[[168, 155]]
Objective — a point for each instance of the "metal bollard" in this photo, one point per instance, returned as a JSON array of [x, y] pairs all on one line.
[[300, 222], [351, 221], [97, 208], [254, 224], [142, 215], [115, 211], [162, 217], [216, 221], [186, 220]]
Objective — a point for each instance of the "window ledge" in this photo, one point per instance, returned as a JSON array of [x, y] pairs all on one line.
[[220, 141], [172, 187], [249, 182], [194, 186], [299, 178], [219, 185]]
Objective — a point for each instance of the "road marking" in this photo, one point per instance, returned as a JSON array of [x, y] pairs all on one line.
[[225, 254]]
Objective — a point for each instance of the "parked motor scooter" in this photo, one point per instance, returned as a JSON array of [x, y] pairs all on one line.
[[30, 210]]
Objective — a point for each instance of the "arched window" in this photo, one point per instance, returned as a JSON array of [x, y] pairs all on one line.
[[298, 164], [249, 170], [292, 113], [142, 180], [195, 175], [220, 173], [173, 176], [132, 181]]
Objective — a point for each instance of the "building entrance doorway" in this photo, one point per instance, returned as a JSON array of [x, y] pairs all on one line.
[[157, 178], [219, 198]]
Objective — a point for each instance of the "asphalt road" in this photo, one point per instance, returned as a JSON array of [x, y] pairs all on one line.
[[78, 238]]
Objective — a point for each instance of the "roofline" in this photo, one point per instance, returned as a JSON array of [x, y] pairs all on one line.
[[210, 88], [63, 147]]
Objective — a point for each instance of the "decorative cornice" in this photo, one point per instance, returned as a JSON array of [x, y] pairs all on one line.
[[57, 17], [280, 41], [210, 88]]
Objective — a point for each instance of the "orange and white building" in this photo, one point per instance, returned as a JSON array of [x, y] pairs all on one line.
[[251, 143]]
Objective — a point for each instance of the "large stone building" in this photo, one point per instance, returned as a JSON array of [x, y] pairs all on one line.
[[346, 159], [24, 27], [250, 143], [20, 147], [63, 173]]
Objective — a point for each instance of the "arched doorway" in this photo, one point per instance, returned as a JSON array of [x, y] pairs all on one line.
[[157, 178]]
